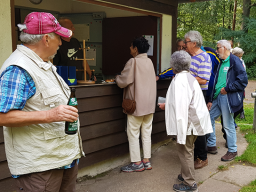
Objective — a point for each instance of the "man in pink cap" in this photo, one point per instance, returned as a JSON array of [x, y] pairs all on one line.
[[33, 111]]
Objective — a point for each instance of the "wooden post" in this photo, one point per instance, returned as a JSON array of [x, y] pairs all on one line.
[[84, 61], [253, 95]]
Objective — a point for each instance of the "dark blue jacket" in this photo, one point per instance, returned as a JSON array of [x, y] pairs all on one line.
[[237, 80], [215, 63]]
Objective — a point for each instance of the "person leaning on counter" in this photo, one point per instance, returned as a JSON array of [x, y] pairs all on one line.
[[142, 80], [70, 50]]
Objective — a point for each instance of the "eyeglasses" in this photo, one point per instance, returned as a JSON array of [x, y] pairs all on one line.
[[218, 48], [186, 42]]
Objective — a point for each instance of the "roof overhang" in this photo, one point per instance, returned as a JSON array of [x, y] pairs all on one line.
[[191, 1]]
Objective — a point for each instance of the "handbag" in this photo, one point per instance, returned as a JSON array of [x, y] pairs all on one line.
[[129, 105]]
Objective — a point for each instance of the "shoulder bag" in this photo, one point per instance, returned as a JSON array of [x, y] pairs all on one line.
[[129, 105]]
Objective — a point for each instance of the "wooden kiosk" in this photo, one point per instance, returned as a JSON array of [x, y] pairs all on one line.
[[101, 117]]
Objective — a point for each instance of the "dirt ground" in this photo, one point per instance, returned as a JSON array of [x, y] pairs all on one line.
[[251, 87]]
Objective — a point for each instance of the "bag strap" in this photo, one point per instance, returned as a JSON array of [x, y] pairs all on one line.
[[133, 81]]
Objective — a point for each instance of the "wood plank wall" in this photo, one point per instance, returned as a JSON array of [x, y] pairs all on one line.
[[102, 127]]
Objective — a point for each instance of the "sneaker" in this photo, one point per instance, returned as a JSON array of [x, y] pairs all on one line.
[[147, 165], [229, 156], [180, 178], [212, 150], [198, 164], [183, 187], [133, 167]]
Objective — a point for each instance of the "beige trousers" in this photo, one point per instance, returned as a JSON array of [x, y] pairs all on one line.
[[186, 155], [134, 125]]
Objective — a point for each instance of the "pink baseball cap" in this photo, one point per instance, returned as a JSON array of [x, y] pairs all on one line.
[[42, 23]]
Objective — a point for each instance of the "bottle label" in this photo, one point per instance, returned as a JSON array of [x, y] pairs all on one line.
[[74, 125], [72, 102]]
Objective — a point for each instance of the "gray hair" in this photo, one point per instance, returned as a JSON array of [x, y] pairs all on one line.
[[237, 51], [225, 43], [195, 36], [180, 61], [33, 39]]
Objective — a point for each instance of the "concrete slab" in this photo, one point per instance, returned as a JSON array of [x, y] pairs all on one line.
[[240, 175], [166, 167], [212, 185]]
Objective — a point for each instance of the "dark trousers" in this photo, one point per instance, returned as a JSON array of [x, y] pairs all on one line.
[[200, 150]]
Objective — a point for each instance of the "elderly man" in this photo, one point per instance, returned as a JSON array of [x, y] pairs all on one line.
[[186, 116], [70, 50], [200, 68], [227, 97], [33, 111]]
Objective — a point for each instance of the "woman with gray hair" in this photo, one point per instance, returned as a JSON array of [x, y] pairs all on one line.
[[186, 116], [200, 68], [239, 53]]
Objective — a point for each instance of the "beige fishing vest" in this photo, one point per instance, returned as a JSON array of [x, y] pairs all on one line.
[[40, 147]]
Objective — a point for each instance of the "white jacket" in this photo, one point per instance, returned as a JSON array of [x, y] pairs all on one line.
[[185, 110], [40, 147]]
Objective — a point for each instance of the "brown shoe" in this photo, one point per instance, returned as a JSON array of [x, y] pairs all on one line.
[[212, 150], [198, 164], [229, 156]]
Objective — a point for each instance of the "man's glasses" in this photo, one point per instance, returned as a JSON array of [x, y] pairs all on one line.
[[186, 42], [218, 48]]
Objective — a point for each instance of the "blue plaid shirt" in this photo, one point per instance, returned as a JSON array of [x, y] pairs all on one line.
[[16, 87]]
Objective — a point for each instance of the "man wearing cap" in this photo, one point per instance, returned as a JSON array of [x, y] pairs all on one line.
[[33, 111], [70, 50]]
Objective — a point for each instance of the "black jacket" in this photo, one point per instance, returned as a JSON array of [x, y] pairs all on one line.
[[237, 80]]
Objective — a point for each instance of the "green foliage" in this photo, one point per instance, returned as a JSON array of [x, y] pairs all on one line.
[[245, 39], [246, 128], [206, 17], [250, 188], [213, 19], [222, 168], [248, 111], [251, 71]]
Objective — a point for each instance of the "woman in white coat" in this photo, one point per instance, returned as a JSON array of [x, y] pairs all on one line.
[[186, 116]]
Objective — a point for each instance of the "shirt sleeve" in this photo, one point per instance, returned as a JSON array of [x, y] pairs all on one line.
[[127, 75], [16, 87], [205, 67]]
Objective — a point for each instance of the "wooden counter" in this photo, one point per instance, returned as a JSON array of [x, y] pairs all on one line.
[[102, 126]]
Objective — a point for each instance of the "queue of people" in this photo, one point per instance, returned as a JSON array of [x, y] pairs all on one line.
[[226, 79], [41, 155]]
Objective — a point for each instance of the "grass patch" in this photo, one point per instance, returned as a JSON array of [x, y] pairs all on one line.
[[246, 128], [250, 153], [248, 111], [222, 168], [249, 188]]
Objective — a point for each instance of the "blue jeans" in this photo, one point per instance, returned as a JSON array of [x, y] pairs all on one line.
[[220, 107]]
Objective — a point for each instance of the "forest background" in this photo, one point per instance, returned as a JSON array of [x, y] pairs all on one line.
[[223, 19]]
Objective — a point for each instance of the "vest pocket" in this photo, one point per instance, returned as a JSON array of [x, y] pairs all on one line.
[[55, 131], [51, 96]]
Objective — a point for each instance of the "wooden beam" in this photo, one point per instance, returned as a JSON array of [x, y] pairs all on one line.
[[14, 43], [168, 2], [95, 2]]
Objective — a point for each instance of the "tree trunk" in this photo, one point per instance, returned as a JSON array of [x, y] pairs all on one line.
[[246, 11], [234, 16]]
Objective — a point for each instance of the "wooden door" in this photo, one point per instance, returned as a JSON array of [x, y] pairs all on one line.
[[118, 33]]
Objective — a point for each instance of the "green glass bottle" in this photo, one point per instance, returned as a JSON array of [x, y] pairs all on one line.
[[71, 127]]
